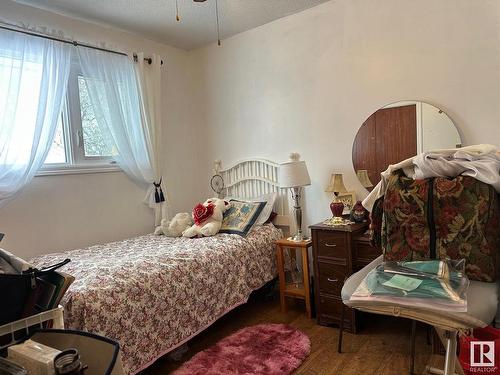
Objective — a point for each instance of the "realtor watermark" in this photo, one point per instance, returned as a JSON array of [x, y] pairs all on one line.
[[482, 357]]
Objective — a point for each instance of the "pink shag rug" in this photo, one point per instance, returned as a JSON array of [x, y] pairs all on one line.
[[267, 349]]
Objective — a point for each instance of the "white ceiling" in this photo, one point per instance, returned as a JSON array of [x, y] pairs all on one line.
[[155, 19]]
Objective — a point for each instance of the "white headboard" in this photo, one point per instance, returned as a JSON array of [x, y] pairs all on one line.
[[249, 178]]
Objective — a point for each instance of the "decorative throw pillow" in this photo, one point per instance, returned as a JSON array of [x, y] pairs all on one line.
[[241, 217], [268, 199]]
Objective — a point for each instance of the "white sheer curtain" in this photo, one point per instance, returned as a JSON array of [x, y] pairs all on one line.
[[114, 94], [149, 81], [33, 80]]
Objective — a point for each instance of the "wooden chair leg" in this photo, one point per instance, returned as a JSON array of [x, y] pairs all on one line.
[[341, 329], [412, 347]]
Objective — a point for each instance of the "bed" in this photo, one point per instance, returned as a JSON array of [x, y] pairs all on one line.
[[153, 293]]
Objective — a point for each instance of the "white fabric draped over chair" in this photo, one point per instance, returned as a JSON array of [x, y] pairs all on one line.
[[33, 81]]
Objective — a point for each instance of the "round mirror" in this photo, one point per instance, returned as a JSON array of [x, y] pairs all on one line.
[[399, 131]]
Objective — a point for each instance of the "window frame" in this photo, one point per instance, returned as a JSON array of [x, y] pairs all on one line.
[[76, 160]]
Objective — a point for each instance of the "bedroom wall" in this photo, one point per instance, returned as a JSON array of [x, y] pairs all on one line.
[[306, 82], [63, 212]]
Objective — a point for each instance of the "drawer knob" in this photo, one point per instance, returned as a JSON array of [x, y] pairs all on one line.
[[332, 280], [330, 245]]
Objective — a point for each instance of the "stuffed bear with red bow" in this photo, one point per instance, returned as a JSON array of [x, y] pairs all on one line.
[[207, 218]]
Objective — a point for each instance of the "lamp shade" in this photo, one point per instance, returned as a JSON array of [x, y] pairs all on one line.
[[336, 184], [364, 178], [293, 173]]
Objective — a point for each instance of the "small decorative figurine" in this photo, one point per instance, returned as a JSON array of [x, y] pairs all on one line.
[[358, 213]]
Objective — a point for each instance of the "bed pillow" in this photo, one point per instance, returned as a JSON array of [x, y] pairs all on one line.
[[271, 217], [241, 216], [268, 199]]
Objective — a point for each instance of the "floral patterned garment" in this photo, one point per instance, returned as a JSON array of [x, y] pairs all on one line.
[[405, 232], [467, 223], [464, 222], [152, 292]]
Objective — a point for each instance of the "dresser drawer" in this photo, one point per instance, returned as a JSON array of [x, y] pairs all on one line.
[[330, 312], [331, 278], [332, 245], [364, 253], [330, 307]]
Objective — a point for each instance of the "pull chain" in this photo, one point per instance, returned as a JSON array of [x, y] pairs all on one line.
[[217, 19], [177, 10]]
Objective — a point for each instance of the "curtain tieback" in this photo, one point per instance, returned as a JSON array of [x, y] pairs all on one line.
[[159, 197]]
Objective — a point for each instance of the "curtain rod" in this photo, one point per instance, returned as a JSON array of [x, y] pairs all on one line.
[[17, 29], [149, 60]]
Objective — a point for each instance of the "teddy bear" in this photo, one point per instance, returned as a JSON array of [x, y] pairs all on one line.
[[174, 227], [207, 218]]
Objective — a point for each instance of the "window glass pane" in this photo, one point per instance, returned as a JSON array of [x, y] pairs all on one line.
[[93, 139], [57, 153]]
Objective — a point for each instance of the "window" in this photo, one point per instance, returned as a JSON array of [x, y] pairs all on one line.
[[94, 144], [79, 143], [57, 153]]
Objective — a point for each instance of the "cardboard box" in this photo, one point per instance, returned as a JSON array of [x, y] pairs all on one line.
[[37, 358]]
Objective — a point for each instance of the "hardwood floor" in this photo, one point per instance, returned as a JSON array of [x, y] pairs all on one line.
[[381, 347]]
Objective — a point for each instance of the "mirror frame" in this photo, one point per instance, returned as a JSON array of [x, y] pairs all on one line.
[[363, 178]]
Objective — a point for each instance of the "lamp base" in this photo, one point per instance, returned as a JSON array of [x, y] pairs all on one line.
[[337, 208], [298, 238]]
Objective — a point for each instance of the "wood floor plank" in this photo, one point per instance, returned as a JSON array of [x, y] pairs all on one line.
[[380, 348]]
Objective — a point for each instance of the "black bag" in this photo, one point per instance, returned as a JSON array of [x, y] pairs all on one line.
[[19, 293]]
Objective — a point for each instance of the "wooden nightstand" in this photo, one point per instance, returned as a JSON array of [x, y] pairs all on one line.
[[338, 252], [291, 289]]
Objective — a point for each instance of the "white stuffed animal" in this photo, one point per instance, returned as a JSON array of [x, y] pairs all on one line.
[[174, 227], [207, 218]]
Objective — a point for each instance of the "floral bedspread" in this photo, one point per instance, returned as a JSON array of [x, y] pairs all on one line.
[[152, 292]]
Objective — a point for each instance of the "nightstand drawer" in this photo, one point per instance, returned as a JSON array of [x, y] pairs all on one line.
[[330, 312], [364, 253], [331, 278], [332, 244], [331, 306]]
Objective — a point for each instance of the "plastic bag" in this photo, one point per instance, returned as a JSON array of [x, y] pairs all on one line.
[[432, 284]]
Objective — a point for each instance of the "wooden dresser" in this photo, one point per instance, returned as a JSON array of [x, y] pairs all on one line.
[[337, 253]]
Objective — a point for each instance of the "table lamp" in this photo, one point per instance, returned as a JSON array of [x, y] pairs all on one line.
[[364, 178], [293, 174], [336, 187]]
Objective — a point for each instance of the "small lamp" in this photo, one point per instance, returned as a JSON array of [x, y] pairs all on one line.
[[293, 174], [364, 178], [336, 186]]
